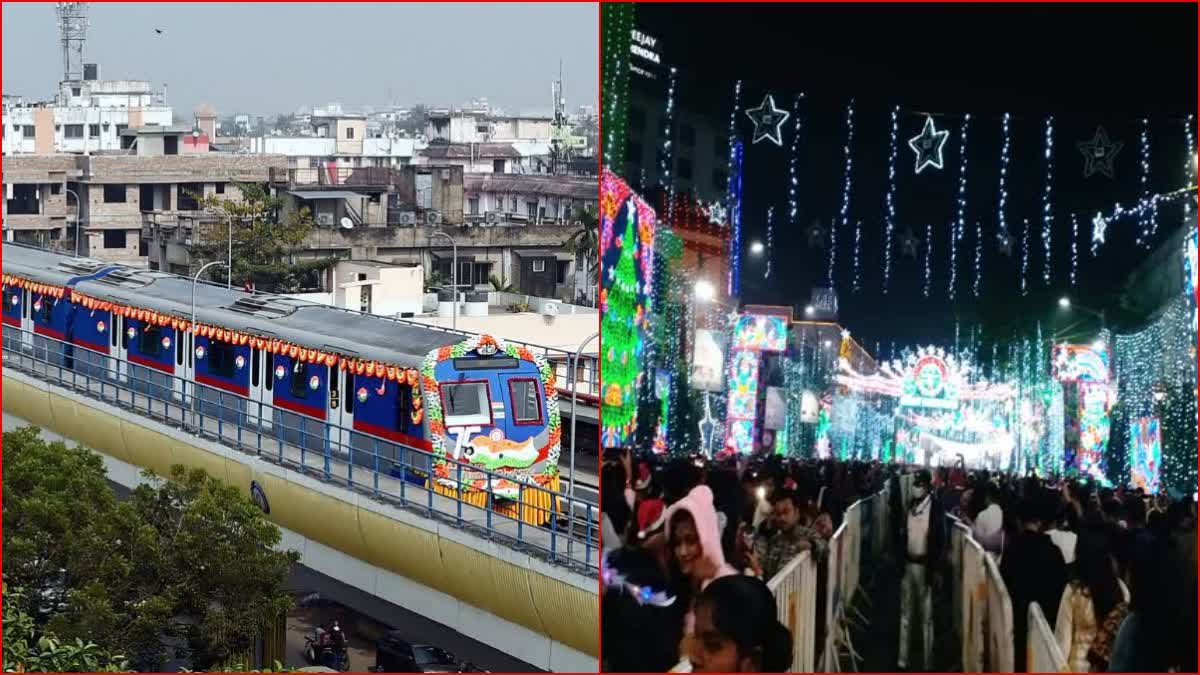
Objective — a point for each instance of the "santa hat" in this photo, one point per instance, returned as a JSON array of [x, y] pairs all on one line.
[[643, 476], [651, 516]]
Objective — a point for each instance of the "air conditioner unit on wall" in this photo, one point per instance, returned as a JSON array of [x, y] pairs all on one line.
[[408, 218], [433, 218], [325, 219]]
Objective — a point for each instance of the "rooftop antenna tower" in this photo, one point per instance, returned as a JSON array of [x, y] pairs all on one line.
[[559, 145], [72, 32]]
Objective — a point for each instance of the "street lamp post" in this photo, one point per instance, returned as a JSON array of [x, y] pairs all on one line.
[[453, 273], [575, 409], [72, 193], [196, 280]]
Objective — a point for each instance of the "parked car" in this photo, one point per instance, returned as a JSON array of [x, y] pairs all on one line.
[[394, 654]]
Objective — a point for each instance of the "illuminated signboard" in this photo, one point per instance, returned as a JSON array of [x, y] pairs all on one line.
[[760, 333], [1145, 437], [708, 361], [645, 48], [1095, 422], [930, 382], [1189, 262], [1080, 363]]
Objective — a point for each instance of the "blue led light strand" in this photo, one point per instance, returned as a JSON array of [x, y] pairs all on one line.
[[735, 219], [960, 225], [857, 246], [1189, 162], [1001, 219], [844, 211], [770, 239], [928, 259], [1145, 218], [890, 204], [666, 163], [1024, 256], [1074, 247], [978, 256], [735, 243], [1047, 203], [793, 176]]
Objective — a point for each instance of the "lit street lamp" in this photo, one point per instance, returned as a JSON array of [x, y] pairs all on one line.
[[704, 291], [757, 248]]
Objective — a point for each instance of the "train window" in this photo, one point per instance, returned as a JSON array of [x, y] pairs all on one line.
[[150, 341], [466, 403], [486, 363], [124, 335], [221, 358], [348, 392], [25, 296], [179, 349], [114, 329], [299, 379], [47, 308], [269, 375], [255, 365], [526, 405]]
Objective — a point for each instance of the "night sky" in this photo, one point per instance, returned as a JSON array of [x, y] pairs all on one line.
[[1088, 65]]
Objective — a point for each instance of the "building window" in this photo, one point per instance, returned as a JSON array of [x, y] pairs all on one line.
[[75, 91], [56, 188], [482, 272], [72, 131], [473, 206], [350, 133], [539, 265], [219, 188], [93, 131], [28, 131], [513, 208], [114, 239], [684, 168], [531, 210], [687, 135], [560, 276], [143, 248], [114, 194], [498, 166], [637, 118], [186, 196]]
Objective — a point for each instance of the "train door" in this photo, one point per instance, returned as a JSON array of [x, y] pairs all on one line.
[[48, 317], [16, 317], [341, 408], [258, 410], [120, 343]]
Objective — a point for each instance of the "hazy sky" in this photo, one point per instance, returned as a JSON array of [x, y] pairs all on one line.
[[264, 58]]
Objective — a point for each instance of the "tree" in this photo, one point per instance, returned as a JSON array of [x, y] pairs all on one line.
[[265, 239], [621, 325], [584, 244], [188, 560], [500, 286], [26, 649]]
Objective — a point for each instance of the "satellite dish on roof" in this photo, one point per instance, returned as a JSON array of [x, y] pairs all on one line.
[[347, 224]]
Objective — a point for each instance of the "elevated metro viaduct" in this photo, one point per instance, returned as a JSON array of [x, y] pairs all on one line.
[[543, 613]]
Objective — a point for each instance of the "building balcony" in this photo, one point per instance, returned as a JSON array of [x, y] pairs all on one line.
[[379, 178]]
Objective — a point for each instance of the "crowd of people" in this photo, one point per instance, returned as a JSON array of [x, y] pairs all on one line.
[[1112, 570], [690, 544]]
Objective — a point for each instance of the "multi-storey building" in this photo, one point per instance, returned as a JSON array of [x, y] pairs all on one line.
[[85, 117]]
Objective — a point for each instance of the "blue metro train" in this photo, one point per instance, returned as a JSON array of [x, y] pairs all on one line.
[[325, 378]]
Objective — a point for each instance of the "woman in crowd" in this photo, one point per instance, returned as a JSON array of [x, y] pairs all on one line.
[[1093, 595], [616, 503], [641, 621], [736, 630]]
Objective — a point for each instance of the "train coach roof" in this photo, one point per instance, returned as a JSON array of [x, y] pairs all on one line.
[[299, 321]]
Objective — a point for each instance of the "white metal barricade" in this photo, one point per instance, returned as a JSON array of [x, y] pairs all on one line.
[[1042, 653], [795, 589], [999, 620], [974, 605]]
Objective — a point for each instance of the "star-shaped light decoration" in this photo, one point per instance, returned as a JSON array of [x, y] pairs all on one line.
[[928, 145], [1099, 231], [1099, 154], [768, 121], [909, 243], [816, 236]]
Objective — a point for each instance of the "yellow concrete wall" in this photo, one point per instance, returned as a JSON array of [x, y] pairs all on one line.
[[541, 603]]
